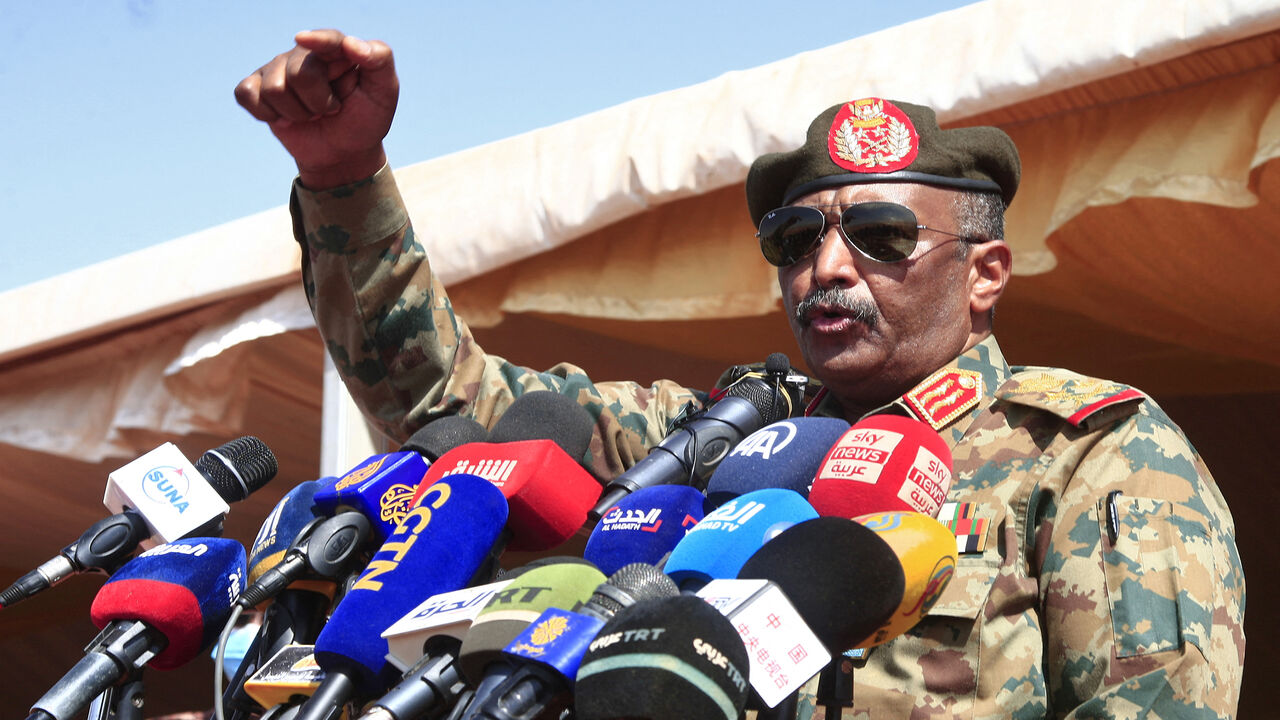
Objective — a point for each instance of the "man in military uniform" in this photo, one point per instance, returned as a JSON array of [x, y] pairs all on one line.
[[1099, 576]]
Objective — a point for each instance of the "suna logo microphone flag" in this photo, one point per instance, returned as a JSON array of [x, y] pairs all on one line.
[[167, 484]]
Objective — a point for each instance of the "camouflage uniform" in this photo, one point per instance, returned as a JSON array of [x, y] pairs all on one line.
[[1047, 616], [408, 359]]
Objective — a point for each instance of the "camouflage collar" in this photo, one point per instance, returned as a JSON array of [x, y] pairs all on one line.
[[950, 398]]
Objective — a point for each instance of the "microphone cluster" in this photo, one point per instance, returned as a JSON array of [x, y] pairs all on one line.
[[721, 576]]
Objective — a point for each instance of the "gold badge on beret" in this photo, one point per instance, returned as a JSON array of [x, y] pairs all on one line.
[[872, 136]]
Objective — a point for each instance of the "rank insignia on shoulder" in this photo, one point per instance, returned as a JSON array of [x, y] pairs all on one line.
[[1075, 398], [945, 395], [970, 530]]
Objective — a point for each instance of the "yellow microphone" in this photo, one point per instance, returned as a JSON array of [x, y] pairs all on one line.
[[927, 551]]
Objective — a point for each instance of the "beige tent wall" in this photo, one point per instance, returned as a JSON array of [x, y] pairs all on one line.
[[1143, 235]]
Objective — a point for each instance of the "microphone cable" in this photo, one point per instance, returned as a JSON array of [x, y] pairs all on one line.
[[219, 675]]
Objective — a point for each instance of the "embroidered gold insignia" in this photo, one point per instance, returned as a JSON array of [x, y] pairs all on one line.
[[872, 136], [945, 396]]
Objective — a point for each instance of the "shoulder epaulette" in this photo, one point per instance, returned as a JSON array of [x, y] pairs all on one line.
[[1073, 397]]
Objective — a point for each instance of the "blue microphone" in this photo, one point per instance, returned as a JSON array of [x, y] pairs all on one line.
[[296, 560], [380, 488], [719, 545], [161, 609], [785, 454], [644, 526], [444, 542], [285, 522]]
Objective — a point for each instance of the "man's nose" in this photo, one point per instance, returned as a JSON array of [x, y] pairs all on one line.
[[834, 260]]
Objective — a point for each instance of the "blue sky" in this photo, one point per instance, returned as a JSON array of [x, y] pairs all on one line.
[[119, 129]]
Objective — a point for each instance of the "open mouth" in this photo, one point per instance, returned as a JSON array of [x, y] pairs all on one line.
[[826, 316]]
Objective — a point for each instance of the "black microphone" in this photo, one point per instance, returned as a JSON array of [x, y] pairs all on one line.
[[443, 545], [297, 560], [692, 452], [444, 434], [673, 657], [549, 651], [233, 470], [546, 415], [845, 580]]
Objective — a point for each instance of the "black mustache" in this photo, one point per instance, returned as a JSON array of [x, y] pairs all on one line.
[[859, 309]]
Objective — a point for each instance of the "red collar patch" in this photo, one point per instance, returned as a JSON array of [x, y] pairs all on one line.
[[945, 396], [872, 136]]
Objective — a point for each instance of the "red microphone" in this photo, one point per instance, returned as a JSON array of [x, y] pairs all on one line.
[[883, 463], [548, 492]]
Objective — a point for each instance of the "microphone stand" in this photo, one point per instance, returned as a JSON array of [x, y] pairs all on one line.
[[785, 710], [835, 686], [120, 702]]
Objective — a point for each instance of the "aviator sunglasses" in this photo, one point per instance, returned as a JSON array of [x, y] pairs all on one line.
[[882, 231]]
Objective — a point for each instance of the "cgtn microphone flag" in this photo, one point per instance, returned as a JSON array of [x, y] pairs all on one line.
[[783, 652]]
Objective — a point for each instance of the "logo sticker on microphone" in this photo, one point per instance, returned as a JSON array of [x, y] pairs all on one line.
[[167, 485], [494, 470], [927, 481], [632, 519], [729, 517], [360, 474], [394, 503], [541, 635], [860, 455], [767, 441]]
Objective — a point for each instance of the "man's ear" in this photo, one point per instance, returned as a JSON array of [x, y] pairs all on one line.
[[990, 264]]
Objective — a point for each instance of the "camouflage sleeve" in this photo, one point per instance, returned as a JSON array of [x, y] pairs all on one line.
[[1141, 588], [404, 355]]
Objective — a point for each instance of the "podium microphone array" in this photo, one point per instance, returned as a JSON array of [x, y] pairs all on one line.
[[381, 595]]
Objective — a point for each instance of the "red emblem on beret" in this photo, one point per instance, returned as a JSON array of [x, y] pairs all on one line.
[[872, 136]]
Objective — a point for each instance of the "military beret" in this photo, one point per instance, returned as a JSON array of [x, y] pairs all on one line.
[[876, 140]]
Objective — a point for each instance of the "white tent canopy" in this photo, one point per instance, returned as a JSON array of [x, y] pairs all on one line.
[[1142, 233]]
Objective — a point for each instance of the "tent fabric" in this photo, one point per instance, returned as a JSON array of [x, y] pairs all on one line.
[[1169, 142], [566, 181], [108, 399]]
